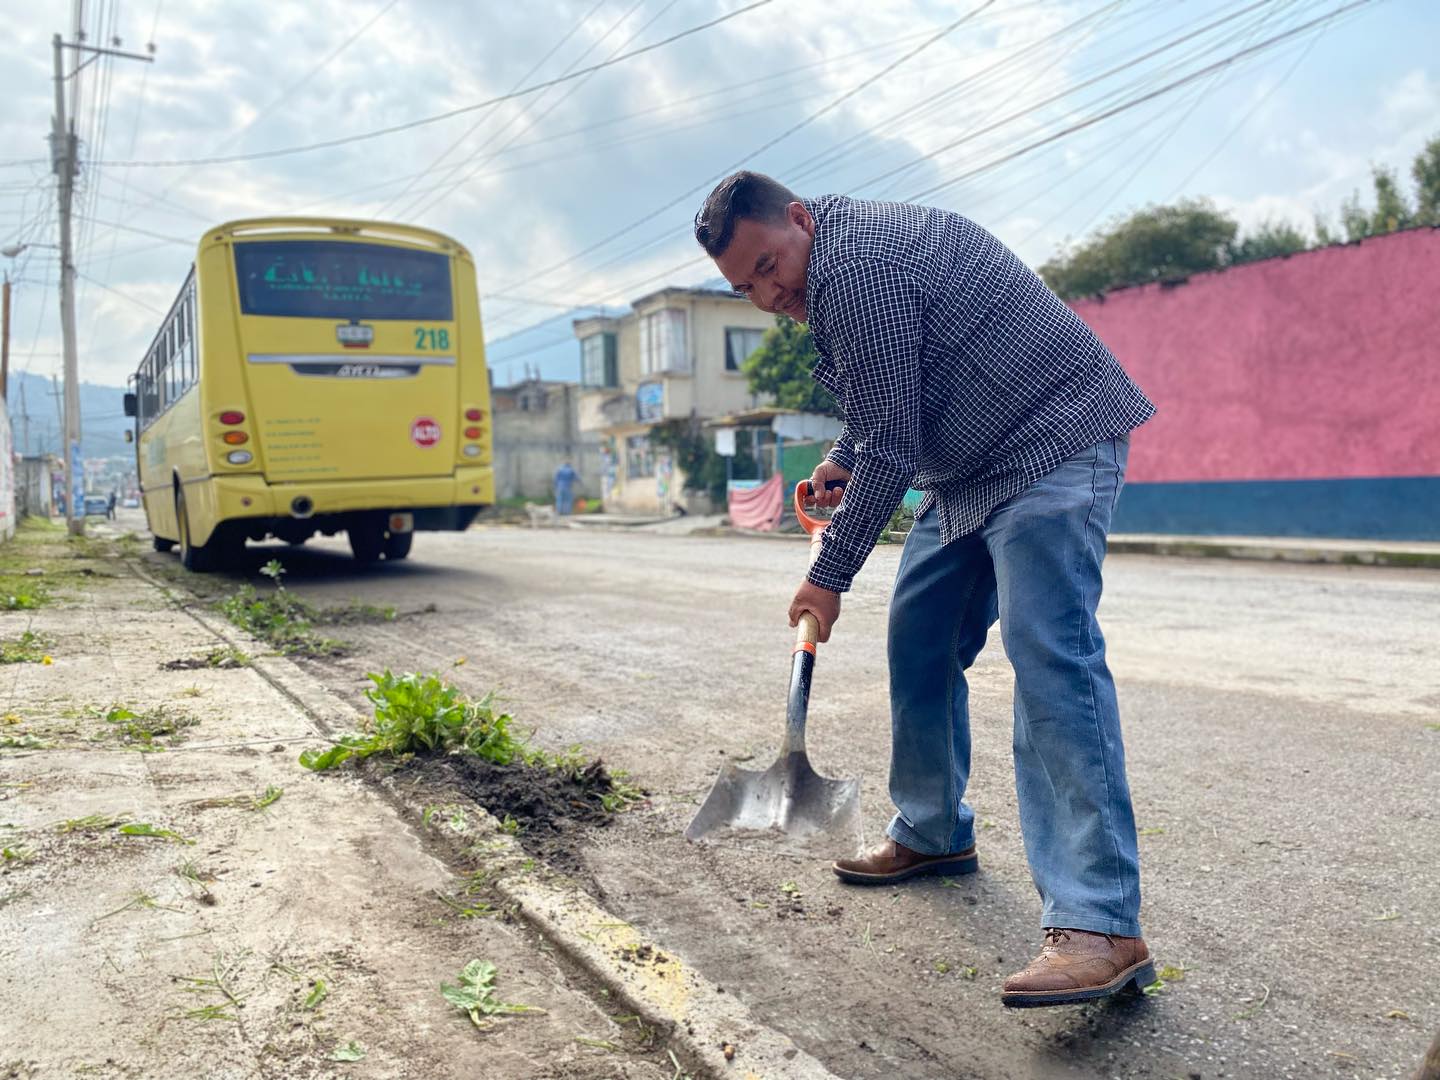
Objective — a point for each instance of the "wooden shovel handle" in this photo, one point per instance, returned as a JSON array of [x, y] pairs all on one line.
[[809, 629]]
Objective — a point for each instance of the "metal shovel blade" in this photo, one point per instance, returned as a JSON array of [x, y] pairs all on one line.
[[789, 797]]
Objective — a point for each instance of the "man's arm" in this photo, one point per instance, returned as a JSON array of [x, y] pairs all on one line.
[[843, 452], [874, 314]]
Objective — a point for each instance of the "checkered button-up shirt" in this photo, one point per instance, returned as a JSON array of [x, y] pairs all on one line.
[[957, 370]]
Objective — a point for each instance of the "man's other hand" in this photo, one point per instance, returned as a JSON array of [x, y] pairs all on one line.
[[824, 473], [822, 603]]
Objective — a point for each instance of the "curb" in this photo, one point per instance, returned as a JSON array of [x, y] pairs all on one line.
[[702, 1020], [1267, 549]]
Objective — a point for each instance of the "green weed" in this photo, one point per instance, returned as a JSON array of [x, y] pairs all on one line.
[[16, 854], [220, 981], [22, 742], [475, 995], [621, 795], [28, 648], [144, 828], [141, 730], [420, 712], [317, 995], [139, 900], [92, 823], [280, 618], [351, 1051], [22, 594], [227, 657]]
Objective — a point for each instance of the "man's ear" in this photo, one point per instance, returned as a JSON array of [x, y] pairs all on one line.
[[800, 217]]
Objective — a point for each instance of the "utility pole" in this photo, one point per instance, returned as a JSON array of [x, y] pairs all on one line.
[[63, 146], [5, 342]]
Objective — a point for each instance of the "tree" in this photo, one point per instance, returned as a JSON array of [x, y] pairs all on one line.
[[693, 450], [1272, 238], [781, 367], [1392, 210], [1152, 244], [1425, 170]]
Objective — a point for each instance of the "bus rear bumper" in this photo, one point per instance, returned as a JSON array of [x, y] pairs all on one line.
[[437, 502]]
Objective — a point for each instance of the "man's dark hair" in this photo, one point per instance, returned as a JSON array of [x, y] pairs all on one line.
[[744, 194]]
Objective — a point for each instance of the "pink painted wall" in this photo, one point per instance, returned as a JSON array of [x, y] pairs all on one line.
[[1323, 365]]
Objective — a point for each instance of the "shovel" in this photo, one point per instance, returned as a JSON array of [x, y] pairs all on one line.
[[789, 797]]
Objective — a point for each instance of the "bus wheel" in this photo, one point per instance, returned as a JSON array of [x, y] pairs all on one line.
[[197, 559], [397, 545], [161, 544], [367, 541]]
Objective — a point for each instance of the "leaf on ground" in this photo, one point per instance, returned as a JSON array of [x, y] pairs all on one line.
[[351, 1051], [144, 828], [319, 994]]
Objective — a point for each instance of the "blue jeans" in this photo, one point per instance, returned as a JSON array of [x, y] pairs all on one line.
[[1034, 564]]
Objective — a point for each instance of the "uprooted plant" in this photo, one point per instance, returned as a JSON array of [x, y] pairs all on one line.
[[475, 996], [423, 714], [142, 730]]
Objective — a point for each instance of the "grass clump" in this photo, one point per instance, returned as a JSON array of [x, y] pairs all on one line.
[[281, 618]]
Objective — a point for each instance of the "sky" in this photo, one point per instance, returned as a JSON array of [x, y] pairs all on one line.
[[578, 196]]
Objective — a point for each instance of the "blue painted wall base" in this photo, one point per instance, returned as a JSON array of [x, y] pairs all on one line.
[[1386, 508]]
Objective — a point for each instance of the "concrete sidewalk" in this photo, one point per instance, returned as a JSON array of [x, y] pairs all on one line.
[[210, 908]]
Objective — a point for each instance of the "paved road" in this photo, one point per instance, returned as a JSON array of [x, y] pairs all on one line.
[[1283, 726]]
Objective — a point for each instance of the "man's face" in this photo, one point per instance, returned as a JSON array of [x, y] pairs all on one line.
[[766, 261]]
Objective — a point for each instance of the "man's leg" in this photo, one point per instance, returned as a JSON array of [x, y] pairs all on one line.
[[943, 604], [1047, 545]]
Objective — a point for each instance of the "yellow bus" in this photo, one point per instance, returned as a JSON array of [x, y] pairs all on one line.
[[315, 375]]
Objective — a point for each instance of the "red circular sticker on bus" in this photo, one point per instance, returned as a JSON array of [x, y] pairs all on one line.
[[425, 431]]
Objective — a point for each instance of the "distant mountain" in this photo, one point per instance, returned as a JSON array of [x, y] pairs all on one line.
[[102, 417]]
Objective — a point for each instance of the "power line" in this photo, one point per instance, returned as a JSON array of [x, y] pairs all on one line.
[[123, 296], [424, 121], [1125, 106], [569, 93], [574, 29], [943, 32]]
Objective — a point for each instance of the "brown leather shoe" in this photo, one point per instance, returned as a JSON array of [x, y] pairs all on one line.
[[1076, 965], [893, 861]]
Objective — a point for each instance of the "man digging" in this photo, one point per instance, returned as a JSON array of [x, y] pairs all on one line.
[[960, 373]]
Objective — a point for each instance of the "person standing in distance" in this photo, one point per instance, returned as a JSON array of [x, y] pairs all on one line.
[[959, 373]]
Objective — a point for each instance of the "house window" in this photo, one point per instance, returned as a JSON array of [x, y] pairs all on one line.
[[740, 342], [663, 344], [639, 458], [597, 361]]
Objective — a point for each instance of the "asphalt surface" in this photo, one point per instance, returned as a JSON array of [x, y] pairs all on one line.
[[1283, 731]]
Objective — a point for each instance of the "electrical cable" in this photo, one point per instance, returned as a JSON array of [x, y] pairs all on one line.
[[574, 29], [427, 120], [415, 208]]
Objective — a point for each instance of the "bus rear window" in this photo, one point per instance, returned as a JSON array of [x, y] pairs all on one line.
[[323, 279]]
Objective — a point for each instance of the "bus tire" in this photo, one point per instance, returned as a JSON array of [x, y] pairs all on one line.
[[367, 541], [397, 545], [161, 544], [199, 559]]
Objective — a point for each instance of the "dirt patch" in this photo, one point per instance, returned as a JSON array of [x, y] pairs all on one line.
[[554, 810]]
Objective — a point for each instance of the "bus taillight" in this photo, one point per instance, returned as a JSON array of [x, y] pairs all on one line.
[[474, 414], [235, 438], [472, 432], [232, 417]]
